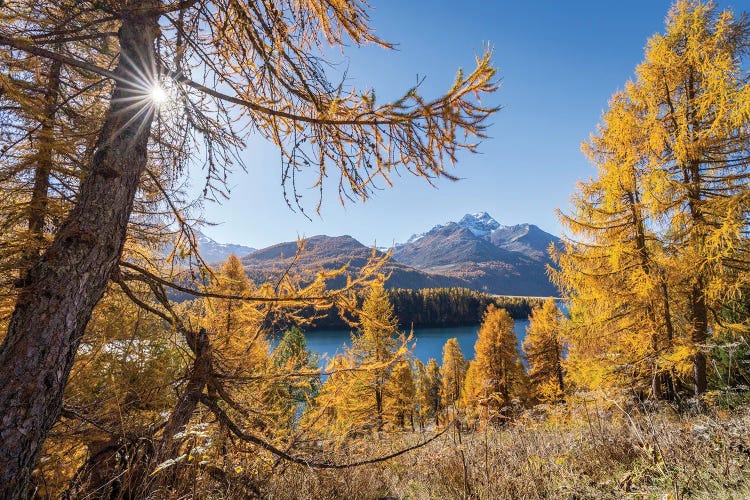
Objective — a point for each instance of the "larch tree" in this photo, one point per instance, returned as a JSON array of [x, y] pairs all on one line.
[[694, 93], [661, 235], [236, 326], [334, 408], [495, 375], [238, 344], [65, 283], [231, 69], [376, 347], [453, 373], [612, 265], [543, 348], [402, 395], [357, 394], [41, 102], [429, 389]]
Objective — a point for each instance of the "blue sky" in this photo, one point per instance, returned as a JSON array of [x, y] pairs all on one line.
[[559, 63]]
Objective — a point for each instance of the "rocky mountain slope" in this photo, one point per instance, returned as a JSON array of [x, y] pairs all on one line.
[[487, 255], [213, 251], [333, 252], [476, 252]]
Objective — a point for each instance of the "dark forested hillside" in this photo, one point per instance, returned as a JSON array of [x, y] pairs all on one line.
[[440, 307]]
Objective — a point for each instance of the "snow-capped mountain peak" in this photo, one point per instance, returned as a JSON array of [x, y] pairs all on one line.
[[419, 236], [203, 239], [213, 251], [413, 238], [480, 224]]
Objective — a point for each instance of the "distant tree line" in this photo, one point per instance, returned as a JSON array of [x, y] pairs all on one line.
[[439, 307]]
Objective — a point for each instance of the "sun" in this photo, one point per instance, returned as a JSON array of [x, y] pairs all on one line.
[[157, 94]]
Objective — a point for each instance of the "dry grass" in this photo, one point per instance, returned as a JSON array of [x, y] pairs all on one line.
[[591, 448], [588, 452]]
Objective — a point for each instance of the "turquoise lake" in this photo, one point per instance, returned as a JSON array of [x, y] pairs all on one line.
[[429, 341]]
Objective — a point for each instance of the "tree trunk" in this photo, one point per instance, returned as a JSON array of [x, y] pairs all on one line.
[[671, 390], [697, 301], [699, 334], [65, 284], [39, 192], [646, 264], [188, 401], [379, 407], [141, 479], [559, 368]]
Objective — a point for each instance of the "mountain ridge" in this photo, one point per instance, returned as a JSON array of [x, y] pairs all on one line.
[[476, 252], [212, 251], [488, 255], [334, 252]]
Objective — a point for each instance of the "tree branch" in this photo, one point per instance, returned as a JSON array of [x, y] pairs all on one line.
[[244, 436], [180, 78]]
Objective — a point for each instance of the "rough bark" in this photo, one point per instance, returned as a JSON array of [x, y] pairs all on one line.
[[188, 401], [697, 308], [68, 280]]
